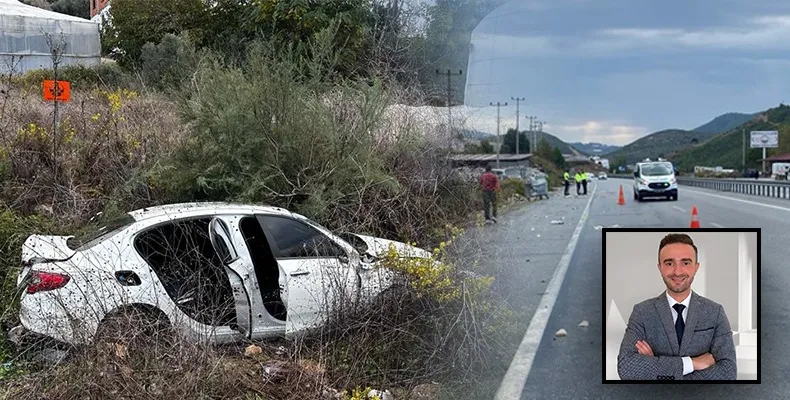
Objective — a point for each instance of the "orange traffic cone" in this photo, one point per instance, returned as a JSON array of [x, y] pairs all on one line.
[[694, 218], [621, 199]]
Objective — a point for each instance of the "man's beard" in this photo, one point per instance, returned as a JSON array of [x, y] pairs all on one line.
[[678, 287]]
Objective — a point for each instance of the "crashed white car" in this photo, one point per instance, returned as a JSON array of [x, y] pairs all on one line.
[[218, 272]]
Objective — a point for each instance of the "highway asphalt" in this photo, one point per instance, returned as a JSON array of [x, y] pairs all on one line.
[[571, 367]]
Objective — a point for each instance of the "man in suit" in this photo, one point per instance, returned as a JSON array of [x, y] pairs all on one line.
[[678, 335]]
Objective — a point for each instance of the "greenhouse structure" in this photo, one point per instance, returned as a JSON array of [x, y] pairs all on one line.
[[23, 38]]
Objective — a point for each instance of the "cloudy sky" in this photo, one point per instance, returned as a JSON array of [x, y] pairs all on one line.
[[613, 70]]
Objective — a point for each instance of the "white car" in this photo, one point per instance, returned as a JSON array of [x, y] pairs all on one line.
[[217, 272]]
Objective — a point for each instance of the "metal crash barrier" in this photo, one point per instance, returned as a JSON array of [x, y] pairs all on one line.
[[775, 189]]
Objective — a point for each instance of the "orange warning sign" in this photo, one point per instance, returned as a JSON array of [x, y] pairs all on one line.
[[60, 93]]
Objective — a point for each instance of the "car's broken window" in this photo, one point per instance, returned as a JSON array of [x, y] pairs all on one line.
[[99, 230], [295, 239], [181, 255]]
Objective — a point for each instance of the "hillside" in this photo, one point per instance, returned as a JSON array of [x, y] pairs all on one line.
[[476, 135], [554, 141], [659, 144], [726, 150], [725, 123], [593, 148]]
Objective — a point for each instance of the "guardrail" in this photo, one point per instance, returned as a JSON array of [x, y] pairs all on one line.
[[774, 189]]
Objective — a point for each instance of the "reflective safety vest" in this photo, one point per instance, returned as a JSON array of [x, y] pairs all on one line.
[[578, 177], [567, 176]]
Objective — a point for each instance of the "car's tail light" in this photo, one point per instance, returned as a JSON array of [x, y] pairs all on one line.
[[43, 281]]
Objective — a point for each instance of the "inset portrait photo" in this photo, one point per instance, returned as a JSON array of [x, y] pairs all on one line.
[[681, 305]]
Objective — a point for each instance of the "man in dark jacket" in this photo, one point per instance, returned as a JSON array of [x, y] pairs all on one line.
[[490, 183]]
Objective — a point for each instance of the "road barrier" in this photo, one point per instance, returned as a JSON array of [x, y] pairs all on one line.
[[762, 188]]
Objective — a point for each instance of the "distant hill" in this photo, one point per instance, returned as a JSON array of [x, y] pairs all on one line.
[[726, 150], [595, 149], [476, 135], [725, 123], [553, 141], [659, 144]]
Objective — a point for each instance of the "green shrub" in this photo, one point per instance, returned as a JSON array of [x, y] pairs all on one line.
[[169, 64], [510, 187], [107, 75]]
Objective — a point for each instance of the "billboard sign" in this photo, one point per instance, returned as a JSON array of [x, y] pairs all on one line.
[[764, 139]]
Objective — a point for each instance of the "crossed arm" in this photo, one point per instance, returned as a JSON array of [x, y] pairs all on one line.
[[637, 361]]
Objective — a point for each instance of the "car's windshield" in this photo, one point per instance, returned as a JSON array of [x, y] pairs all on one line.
[[657, 169]]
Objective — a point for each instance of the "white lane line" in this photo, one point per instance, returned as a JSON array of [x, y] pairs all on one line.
[[678, 208], [716, 225], [516, 376], [741, 200]]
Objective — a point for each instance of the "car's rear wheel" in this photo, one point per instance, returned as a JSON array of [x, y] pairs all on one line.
[[135, 329]]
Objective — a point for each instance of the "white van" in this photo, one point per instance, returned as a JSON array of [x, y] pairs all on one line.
[[780, 171], [655, 179]]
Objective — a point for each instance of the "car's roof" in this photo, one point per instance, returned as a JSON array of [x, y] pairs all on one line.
[[198, 208]]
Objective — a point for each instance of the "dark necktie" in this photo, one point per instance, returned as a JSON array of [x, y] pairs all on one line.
[[679, 324]]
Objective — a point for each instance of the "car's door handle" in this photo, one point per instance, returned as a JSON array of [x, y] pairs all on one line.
[[300, 272]]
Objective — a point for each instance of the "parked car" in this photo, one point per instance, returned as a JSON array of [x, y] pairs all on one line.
[[216, 272], [602, 175]]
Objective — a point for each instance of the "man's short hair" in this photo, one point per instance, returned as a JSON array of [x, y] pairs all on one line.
[[674, 238], [488, 168]]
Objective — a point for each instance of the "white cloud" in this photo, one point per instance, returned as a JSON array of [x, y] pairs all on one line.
[[764, 32], [606, 132], [760, 33]]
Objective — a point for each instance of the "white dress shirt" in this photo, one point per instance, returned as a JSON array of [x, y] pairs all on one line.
[[688, 365]]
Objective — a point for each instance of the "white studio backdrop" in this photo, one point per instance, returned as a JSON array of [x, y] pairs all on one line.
[[727, 275]]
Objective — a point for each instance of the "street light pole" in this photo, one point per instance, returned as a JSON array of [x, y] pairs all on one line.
[[499, 139], [517, 100]]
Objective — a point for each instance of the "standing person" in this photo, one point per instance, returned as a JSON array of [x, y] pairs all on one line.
[[567, 177], [490, 183], [701, 346], [578, 178], [585, 178]]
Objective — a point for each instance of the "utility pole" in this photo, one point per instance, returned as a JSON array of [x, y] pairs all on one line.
[[498, 138], [449, 75], [57, 46], [540, 128], [532, 131], [517, 100], [743, 150]]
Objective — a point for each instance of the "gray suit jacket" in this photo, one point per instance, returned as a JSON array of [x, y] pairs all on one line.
[[707, 330]]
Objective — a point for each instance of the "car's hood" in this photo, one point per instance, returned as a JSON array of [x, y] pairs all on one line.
[[41, 248], [378, 247]]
